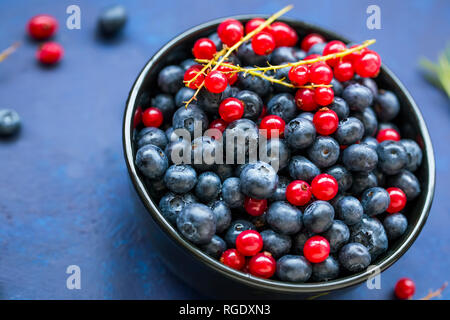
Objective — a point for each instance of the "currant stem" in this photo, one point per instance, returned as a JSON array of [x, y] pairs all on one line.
[[434, 294], [5, 53]]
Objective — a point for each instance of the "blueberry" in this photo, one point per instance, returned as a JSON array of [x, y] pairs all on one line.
[[338, 88], [112, 20], [282, 55], [282, 74], [358, 97], [170, 79], [171, 135], [300, 168], [349, 210], [277, 244], [155, 187], [246, 54], [235, 229], [196, 223], [306, 115], [282, 105], [215, 247], [395, 225], [299, 240], [299, 54], [363, 181], [172, 204], [188, 118], [293, 269], [151, 161], [231, 193], [165, 103], [235, 91], [354, 257], [206, 152], [392, 157], [360, 157], [370, 233], [9, 122], [325, 270], [300, 133], [258, 180], [386, 105], [224, 171], [284, 218], [381, 177], [208, 186], [253, 104], [210, 101], [369, 120], [371, 142], [375, 201], [406, 181], [153, 136], [280, 191], [343, 177], [414, 154], [178, 151], [214, 37], [259, 221], [222, 215], [349, 131], [340, 107], [369, 83], [337, 235], [324, 152], [256, 84], [183, 95], [318, 216], [186, 64], [277, 154], [180, 178], [317, 48], [241, 141]]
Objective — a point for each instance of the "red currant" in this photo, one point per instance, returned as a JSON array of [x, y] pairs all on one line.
[[191, 73], [253, 24], [233, 259], [272, 122], [324, 187], [137, 117], [298, 75], [298, 193], [50, 53], [326, 121], [263, 43], [152, 117], [231, 109], [312, 56], [323, 96], [263, 112], [343, 71], [388, 134], [320, 73], [216, 82], [405, 288], [204, 48], [352, 57], [262, 265], [231, 76], [316, 249], [398, 200], [304, 98], [216, 128], [334, 46], [368, 65], [230, 31], [284, 35], [249, 242], [255, 207], [310, 40], [42, 26]]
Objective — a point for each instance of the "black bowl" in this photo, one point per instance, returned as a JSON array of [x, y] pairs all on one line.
[[208, 275]]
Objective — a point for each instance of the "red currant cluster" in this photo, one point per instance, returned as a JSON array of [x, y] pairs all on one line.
[[42, 27]]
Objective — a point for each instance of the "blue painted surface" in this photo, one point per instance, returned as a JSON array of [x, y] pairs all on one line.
[[64, 191]]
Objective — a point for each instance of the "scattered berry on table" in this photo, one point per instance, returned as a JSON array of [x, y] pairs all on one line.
[[405, 288], [50, 53], [42, 26], [10, 122], [112, 20]]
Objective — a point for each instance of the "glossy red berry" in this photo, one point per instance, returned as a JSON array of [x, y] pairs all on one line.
[[233, 259], [284, 35], [262, 265], [137, 117], [216, 82], [334, 46], [398, 200], [310, 40], [152, 117], [50, 53], [343, 71], [255, 207], [298, 193], [405, 288], [388, 134], [323, 96], [324, 187], [191, 73], [312, 56], [368, 65], [352, 57], [320, 73], [249, 242], [42, 26], [272, 124], [263, 43], [316, 249], [230, 31], [253, 24], [326, 121], [231, 76], [217, 127], [204, 48], [304, 98], [231, 109], [299, 75]]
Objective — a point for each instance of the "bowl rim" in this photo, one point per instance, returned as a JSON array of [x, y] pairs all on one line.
[[273, 286]]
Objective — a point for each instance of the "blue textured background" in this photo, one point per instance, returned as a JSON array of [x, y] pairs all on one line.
[[64, 190]]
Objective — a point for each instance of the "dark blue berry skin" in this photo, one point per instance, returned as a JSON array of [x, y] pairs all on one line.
[[386, 105], [293, 269], [210, 101], [306, 115], [222, 215], [165, 103], [112, 20], [178, 151], [280, 191], [318, 216], [299, 54], [243, 136], [259, 221], [284, 218], [258, 180], [247, 56], [337, 235], [363, 181], [282, 74], [369, 83], [253, 104], [224, 171], [277, 154], [204, 152], [235, 91], [406, 181], [395, 225], [282, 105], [277, 244], [180, 178], [414, 154], [9, 122], [188, 118], [153, 136], [282, 55], [183, 95], [371, 142], [369, 120], [343, 177], [208, 186], [338, 88], [358, 97], [325, 270], [155, 187], [172, 204], [300, 168], [171, 135], [300, 133], [170, 79], [381, 177], [215, 247], [196, 223], [360, 157], [370, 233], [235, 229], [231, 193], [340, 107], [317, 48], [324, 152], [299, 240], [214, 37], [349, 131], [256, 84], [354, 257], [392, 157], [186, 64], [375, 201], [349, 210], [151, 161]]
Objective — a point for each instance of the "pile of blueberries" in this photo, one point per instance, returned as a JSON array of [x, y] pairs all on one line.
[[333, 203]]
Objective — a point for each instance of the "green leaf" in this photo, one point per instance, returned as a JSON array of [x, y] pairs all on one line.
[[438, 74]]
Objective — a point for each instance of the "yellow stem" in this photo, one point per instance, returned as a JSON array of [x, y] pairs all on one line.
[[5, 53], [434, 294]]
